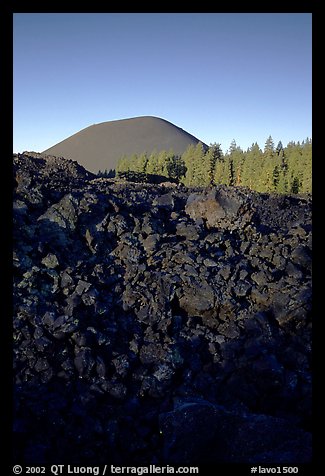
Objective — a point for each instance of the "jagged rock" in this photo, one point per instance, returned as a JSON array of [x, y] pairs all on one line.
[[151, 353], [189, 232], [225, 272], [121, 364], [163, 372], [165, 201], [210, 263], [218, 207], [89, 298], [301, 256], [66, 280], [84, 362], [63, 213], [241, 288], [229, 330], [260, 278], [293, 271], [82, 286], [50, 261], [197, 297], [41, 364], [151, 242], [140, 308], [260, 298]]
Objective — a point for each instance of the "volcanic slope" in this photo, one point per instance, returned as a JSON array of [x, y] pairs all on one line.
[[99, 147]]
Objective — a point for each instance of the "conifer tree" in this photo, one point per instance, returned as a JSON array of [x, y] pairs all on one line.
[[231, 172], [220, 173], [280, 170], [276, 177], [295, 185], [193, 158], [214, 154], [232, 147], [269, 147], [175, 167], [279, 149], [152, 167]]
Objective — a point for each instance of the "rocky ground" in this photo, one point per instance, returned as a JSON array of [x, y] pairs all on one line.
[[158, 324]]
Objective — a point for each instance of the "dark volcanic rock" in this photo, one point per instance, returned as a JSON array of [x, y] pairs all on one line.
[[219, 207], [197, 297], [156, 324], [200, 432]]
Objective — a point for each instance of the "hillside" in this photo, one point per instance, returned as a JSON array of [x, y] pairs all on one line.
[[158, 324], [99, 146]]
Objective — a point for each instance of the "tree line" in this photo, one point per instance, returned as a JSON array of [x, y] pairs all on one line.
[[274, 169]]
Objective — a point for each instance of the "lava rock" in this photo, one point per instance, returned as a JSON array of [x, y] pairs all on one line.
[[158, 324], [50, 261]]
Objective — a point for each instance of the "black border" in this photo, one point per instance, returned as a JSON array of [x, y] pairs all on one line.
[[6, 78]]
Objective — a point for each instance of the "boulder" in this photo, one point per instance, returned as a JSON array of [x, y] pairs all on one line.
[[218, 208], [197, 297]]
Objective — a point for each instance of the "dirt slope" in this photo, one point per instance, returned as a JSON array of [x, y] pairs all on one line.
[[98, 147]]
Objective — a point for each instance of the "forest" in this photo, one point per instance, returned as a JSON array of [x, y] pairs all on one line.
[[274, 169]]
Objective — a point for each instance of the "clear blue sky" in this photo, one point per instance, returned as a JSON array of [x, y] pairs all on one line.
[[219, 76]]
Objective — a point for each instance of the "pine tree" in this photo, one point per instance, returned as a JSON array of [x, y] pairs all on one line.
[[214, 155], [269, 147], [163, 159], [152, 167], [276, 177], [295, 186], [176, 168], [236, 164], [201, 166], [220, 173], [280, 170], [233, 146], [253, 167], [231, 172], [282, 186], [123, 164], [279, 149], [193, 159]]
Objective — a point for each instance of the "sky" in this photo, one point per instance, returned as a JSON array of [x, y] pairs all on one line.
[[219, 76]]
